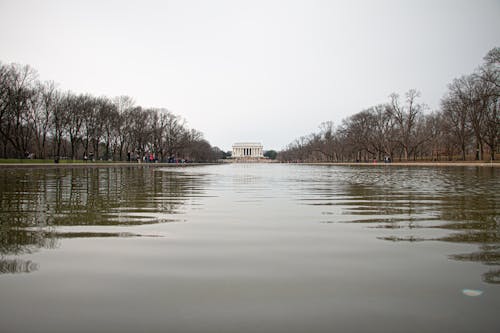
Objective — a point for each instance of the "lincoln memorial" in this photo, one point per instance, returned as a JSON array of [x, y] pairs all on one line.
[[247, 150]]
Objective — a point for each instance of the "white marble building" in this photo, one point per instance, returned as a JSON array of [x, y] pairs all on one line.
[[248, 150]]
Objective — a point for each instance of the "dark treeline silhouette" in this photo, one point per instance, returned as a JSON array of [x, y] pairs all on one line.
[[467, 126], [39, 121]]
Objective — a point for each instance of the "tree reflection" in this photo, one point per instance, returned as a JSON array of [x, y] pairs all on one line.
[[412, 202], [492, 277], [17, 241], [33, 202], [17, 266], [92, 196]]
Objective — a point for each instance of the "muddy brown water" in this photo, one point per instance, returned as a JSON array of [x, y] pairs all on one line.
[[250, 248]]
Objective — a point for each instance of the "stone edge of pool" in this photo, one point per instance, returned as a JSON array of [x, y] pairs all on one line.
[[126, 164]]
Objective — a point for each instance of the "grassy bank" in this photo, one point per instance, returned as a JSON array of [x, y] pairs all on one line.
[[47, 162], [40, 161], [429, 163]]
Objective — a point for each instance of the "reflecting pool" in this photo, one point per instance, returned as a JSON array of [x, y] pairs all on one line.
[[250, 248]]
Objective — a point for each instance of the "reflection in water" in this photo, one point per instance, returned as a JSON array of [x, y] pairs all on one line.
[[492, 276], [17, 241], [455, 205], [17, 266], [91, 196], [489, 255], [414, 201], [34, 202], [293, 248]]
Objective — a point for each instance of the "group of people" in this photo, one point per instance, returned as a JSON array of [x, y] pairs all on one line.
[[146, 158], [135, 157], [152, 158]]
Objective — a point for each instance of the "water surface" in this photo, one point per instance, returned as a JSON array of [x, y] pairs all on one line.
[[250, 248]]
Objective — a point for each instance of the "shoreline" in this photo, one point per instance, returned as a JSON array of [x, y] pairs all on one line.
[[100, 165], [183, 165], [433, 164]]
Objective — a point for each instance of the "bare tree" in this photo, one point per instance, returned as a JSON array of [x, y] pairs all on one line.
[[489, 75], [406, 118], [456, 117], [74, 111], [19, 95], [108, 113], [139, 128], [324, 143], [124, 105], [384, 129], [176, 134], [4, 106], [42, 114], [60, 122]]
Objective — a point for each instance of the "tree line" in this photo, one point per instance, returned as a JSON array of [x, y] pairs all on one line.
[[466, 127], [37, 120]]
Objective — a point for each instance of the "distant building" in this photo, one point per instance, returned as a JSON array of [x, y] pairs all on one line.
[[248, 150]]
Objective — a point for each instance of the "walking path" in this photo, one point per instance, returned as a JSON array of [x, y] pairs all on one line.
[[433, 164], [156, 165], [97, 165]]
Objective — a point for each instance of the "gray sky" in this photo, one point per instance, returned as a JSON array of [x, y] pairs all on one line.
[[267, 71]]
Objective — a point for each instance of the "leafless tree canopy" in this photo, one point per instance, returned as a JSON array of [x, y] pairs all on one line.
[[467, 126], [37, 120]]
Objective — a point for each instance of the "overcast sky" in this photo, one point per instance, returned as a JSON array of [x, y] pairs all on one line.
[[265, 71]]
